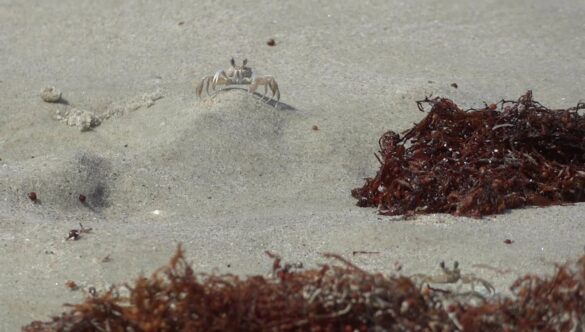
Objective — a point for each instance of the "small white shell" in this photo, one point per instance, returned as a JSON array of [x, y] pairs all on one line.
[[50, 94]]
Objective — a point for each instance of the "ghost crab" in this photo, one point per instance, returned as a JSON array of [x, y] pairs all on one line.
[[238, 75], [452, 276]]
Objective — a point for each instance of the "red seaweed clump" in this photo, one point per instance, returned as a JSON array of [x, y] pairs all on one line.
[[554, 303], [480, 161], [338, 297], [332, 298]]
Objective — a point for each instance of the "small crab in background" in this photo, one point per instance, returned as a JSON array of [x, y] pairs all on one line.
[[452, 276], [238, 75]]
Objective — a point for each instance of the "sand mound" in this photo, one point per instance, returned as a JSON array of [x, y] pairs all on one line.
[[231, 146], [238, 133], [226, 147]]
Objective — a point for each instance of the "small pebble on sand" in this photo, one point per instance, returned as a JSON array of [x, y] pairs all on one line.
[[50, 94]]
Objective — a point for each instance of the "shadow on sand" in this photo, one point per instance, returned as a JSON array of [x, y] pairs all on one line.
[[263, 98]]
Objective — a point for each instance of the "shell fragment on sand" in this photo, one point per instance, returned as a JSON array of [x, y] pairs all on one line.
[[50, 94], [76, 117]]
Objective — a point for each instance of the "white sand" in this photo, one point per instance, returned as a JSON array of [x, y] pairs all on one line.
[[232, 177]]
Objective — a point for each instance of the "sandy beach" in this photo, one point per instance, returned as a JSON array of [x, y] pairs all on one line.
[[230, 176]]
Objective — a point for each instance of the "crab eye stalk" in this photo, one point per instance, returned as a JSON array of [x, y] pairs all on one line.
[[233, 62]]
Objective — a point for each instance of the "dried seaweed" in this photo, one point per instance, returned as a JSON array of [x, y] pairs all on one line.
[[331, 298], [538, 304], [480, 161], [336, 297]]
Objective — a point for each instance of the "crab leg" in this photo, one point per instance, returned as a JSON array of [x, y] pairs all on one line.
[[204, 82], [274, 88], [268, 82]]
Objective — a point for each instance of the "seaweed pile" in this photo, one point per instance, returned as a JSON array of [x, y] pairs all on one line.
[[538, 304], [480, 161], [338, 297], [332, 298]]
